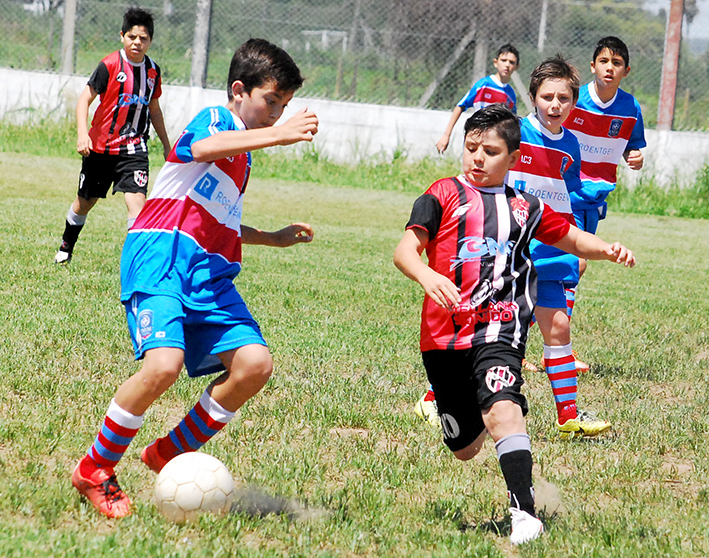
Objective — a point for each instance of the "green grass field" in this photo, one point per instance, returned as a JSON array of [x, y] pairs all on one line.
[[334, 429]]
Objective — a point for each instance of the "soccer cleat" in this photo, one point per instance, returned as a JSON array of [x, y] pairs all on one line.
[[152, 458], [581, 366], [62, 257], [528, 366], [585, 424], [428, 411], [100, 487], [525, 527]]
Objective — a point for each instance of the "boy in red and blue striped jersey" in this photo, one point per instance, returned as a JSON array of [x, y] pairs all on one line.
[[115, 149], [179, 262]]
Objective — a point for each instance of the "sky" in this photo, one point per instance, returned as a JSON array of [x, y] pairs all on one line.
[[699, 29]]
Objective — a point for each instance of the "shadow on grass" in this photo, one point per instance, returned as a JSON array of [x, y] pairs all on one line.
[[256, 502]]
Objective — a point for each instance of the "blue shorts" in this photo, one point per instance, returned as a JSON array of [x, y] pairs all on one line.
[[551, 294], [156, 321], [587, 219]]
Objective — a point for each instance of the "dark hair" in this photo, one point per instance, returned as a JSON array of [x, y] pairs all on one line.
[[554, 68], [615, 45], [257, 61], [136, 16], [507, 47], [496, 117]]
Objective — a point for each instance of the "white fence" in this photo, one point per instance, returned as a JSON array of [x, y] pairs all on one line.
[[349, 132]]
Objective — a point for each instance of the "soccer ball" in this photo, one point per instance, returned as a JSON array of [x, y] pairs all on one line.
[[192, 484]]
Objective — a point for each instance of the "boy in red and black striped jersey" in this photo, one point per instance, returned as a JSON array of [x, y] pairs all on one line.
[[115, 149], [480, 287]]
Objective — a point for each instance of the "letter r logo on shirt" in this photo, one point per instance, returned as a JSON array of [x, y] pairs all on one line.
[[206, 186]]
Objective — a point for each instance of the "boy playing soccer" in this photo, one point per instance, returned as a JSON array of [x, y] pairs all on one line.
[[494, 88], [177, 270], [480, 288], [115, 149], [548, 168], [608, 123]]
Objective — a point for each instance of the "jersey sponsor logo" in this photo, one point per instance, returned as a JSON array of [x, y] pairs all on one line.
[[206, 186], [451, 428], [614, 128], [121, 77], [232, 208], [145, 324], [473, 248], [494, 312], [128, 99], [526, 159], [499, 377], [520, 208], [578, 121], [141, 178], [481, 293]]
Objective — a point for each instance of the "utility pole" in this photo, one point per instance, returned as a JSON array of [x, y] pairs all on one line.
[[68, 37], [670, 66]]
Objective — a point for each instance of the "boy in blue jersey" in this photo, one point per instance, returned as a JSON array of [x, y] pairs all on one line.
[[492, 89], [177, 270], [549, 168], [608, 123]]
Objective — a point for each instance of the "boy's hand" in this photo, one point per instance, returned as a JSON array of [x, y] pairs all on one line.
[[634, 158], [442, 144], [294, 234], [441, 289], [620, 254], [84, 144], [302, 126]]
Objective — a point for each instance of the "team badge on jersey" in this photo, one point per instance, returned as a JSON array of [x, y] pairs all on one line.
[[520, 210], [141, 178], [152, 74], [614, 130], [121, 77], [145, 324], [499, 377]]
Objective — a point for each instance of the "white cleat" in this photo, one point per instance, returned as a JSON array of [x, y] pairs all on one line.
[[62, 257], [525, 527]]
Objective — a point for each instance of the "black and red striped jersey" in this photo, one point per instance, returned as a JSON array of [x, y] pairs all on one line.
[[479, 239], [121, 123]]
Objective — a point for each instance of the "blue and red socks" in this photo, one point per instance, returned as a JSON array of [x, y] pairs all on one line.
[[570, 301], [560, 366], [117, 432], [205, 419]]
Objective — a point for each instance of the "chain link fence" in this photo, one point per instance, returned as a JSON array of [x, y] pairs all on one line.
[[400, 52]]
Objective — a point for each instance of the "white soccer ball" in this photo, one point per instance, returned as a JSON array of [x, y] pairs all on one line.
[[192, 484]]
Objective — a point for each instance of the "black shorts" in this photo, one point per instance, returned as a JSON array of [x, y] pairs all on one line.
[[467, 382], [127, 173]]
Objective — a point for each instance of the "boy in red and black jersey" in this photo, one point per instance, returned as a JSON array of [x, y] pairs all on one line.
[[114, 150], [480, 287]]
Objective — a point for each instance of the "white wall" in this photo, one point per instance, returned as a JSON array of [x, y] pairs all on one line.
[[348, 131]]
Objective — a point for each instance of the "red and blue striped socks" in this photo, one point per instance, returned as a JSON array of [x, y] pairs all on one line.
[[117, 432], [561, 368]]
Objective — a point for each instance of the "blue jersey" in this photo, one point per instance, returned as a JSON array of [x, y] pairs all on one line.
[[487, 91], [605, 131], [549, 168], [186, 242]]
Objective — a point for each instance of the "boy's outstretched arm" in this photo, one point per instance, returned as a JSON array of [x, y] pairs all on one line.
[[407, 258], [591, 247], [302, 126], [287, 236], [442, 144]]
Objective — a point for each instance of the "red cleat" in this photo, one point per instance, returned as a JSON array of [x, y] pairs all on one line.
[[152, 458], [100, 487]]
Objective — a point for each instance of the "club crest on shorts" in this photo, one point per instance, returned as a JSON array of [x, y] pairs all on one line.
[[141, 178], [499, 377], [145, 324]]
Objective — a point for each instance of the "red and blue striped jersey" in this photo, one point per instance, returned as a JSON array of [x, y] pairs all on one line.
[[479, 239], [549, 169], [605, 131], [121, 123], [487, 91], [186, 242]]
